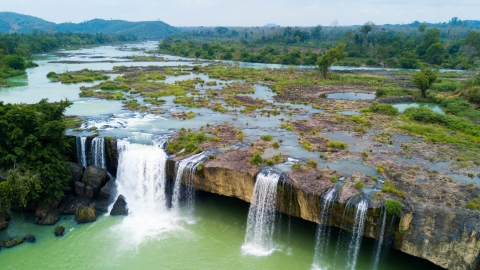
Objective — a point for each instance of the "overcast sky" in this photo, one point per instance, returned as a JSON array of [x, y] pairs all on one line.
[[249, 12]]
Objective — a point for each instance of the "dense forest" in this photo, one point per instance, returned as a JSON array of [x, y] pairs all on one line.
[[16, 49], [454, 45]]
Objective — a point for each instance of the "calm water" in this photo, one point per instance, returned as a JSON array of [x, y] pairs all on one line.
[[351, 96], [403, 106]]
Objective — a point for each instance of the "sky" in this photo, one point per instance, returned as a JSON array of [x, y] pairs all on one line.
[[249, 12]]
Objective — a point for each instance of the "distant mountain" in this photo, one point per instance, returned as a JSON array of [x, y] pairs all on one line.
[[13, 22]]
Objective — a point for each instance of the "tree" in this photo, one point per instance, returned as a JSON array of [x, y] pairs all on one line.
[[430, 37], [16, 62], [424, 79], [330, 57], [435, 53], [366, 29], [33, 142]]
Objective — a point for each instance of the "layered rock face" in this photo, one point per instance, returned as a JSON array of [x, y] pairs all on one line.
[[446, 236]]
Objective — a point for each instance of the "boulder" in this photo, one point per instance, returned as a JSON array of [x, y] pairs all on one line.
[[70, 204], [76, 173], [80, 188], [89, 191], [59, 231], [109, 190], [96, 177], [85, 214], [120, 207], [111, 154], [47, 214], [30, 238], [13, 242]]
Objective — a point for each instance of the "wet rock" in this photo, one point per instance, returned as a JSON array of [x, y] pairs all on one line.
[[120, 207], [70, 204], [111, 154], [89, 191], [397, 177], [30, 238], [109, 190], [80, 188], [59, 231], [76, 172], [13, 242], [348, 190], [85, 214], [96, 177], [47, 214], [100, 206]]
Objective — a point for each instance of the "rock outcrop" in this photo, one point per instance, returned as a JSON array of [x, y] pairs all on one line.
[[120, 207], [85, 214], [47, 214], [94, 177]]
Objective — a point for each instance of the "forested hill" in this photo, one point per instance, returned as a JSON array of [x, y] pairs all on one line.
[[13, 22]]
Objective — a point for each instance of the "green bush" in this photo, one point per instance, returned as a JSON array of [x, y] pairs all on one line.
[[188, 141], [359, 185], [447, 86], [337, 144], [267, 137], [393, 207], [312, 163], [256, 159], [382, 108]]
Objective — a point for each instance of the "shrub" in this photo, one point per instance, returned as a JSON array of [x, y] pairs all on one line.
[[276, 145], [200, 166], [256, 159], [337, 144], [382, 108], [389, 188], [312, 163], [393, 207], [334, 179], [267, 137], [359, 185]]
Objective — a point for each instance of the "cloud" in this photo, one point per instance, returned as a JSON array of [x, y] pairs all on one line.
[[249, 12]]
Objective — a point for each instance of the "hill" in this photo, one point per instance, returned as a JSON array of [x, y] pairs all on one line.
[[11, 22]]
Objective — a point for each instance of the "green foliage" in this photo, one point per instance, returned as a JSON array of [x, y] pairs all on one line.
[[256, 159], [84, 75], [312, 163], [337, 144], [110, 85], [200, 166], [34, 144], [383, 108], [188, 141], [52, 75], [330, 57], [334, 179], [276, 145], [359, 185], [423, 80], [388, 187], [393, 207], [267, 137]]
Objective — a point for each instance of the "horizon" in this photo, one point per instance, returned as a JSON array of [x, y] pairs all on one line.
[[211, 13]]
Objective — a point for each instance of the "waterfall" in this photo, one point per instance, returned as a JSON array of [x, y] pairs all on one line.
[[141, 177], [261, 216], [81, 143], [188, 166], [379, 243], [97, 152], [357, 231], [142, 180], [323, 230]]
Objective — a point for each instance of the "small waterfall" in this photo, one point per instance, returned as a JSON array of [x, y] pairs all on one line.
[[188, 166], [357, 231], [379, 243], [323, 230], [97, 152], [261, 215], [141, 177], [81, 144]]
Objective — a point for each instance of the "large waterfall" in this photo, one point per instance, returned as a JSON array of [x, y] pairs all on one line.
[[141, 179], [323, 231], [186, 166], [261, 216]]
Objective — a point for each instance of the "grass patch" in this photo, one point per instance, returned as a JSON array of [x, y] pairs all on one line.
[[393, 207], [188, 141]]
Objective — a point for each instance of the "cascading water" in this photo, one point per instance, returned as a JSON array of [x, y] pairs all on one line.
[[357, 231], [188, 166], [379, 244], [97, 152], [141, 179], [81, 144], [323, 230], [261, 216]]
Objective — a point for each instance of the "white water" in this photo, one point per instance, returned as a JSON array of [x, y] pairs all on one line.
[[141, 179], [188, 165], [97, 151], [261, 216], [323, 231], [379, 243], [81, 150], [357, 232]]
